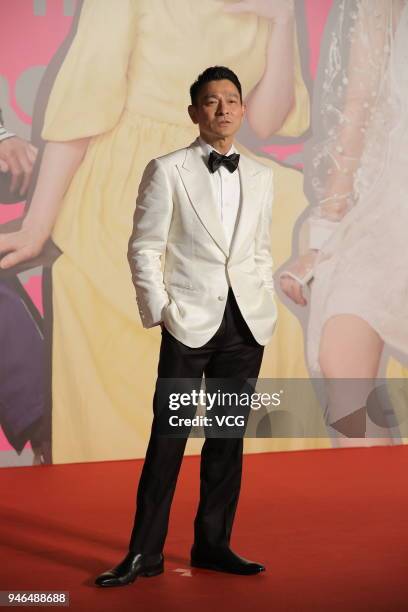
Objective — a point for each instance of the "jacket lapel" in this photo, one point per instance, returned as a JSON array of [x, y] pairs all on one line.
[[196, 179]]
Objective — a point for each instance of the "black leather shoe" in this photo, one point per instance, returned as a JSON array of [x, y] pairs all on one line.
[[132, 566], [224, 560]]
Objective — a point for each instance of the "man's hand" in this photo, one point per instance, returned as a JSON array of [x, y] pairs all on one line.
[[20, 246], [17, 156], [278, 11], [301, 268]]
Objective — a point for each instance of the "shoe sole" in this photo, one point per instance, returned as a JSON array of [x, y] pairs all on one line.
[[147, 573], [217, 568]]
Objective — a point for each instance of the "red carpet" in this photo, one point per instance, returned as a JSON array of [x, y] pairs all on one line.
[[331, 527]]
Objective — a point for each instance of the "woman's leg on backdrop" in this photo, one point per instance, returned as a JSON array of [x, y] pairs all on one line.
[[351, 349]]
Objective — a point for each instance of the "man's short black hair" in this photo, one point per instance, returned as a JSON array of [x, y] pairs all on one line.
[[214, 73]]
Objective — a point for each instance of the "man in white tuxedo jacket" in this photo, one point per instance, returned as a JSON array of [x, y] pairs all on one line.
[[200, 256], [178, 215]]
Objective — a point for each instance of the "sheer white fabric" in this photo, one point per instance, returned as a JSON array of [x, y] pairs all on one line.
[[356, 174]]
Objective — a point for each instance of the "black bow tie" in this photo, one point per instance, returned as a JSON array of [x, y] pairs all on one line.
[[229, 161]]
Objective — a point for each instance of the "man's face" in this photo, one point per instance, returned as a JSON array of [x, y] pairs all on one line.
[[218, 110]]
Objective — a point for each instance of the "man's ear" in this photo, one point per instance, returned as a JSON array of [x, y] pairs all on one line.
[[244, 109], [192, 111]]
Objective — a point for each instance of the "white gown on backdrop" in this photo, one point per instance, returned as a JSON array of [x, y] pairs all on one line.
[[357, 174]]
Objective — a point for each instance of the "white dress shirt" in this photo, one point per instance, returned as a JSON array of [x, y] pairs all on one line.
[[227, 191]]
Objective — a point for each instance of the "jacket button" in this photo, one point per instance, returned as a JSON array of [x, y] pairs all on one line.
[[221, 297]]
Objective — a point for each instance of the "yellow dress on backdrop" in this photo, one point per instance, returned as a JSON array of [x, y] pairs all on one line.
[[125, 83]]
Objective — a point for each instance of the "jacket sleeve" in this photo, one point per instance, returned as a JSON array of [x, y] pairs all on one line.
[[4, 133], [263, 254], [147, 244]]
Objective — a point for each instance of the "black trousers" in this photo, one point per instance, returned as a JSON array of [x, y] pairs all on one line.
[[231, 353]]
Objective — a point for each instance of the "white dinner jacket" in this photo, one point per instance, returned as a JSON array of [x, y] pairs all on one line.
[[176, 217]]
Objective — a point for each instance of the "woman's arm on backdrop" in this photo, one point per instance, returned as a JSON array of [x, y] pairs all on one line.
[[87, 99], [58, 165], [269, 103]]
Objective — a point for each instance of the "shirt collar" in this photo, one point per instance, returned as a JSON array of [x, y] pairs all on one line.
[[207, 148]]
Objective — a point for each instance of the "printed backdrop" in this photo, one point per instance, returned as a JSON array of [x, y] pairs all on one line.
[[33, 35]]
